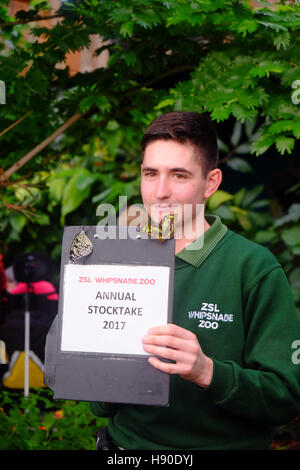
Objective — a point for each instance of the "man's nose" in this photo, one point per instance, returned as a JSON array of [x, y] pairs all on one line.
[[163, 190]]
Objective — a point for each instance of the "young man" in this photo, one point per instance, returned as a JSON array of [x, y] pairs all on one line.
[[232, 377]]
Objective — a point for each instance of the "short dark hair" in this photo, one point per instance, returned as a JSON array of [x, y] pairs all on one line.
[[186, 127]]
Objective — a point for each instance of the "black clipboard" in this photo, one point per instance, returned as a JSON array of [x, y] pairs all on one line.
[[107, 376]]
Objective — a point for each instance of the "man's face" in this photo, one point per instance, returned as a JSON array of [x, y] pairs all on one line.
[[171, 179]]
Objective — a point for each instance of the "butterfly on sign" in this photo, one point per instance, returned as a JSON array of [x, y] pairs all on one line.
[[164, 231], [81, 246]]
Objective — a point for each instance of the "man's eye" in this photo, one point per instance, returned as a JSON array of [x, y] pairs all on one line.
[[179, 176], [149, 174]]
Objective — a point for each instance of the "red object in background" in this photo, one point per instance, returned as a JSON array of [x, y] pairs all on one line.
[[2, 275], [284, 445], [39, 287], [294, 445]]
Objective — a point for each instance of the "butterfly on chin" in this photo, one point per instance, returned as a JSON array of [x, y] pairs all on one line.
[[164, 231]]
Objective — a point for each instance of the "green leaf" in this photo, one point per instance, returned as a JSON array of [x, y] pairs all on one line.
[[56, 187], [259, 219], [49, 420], [291, 236], [130, 58], [165, 103], [239, 164], [100, 101], [247, 26], [225, 213], [296, 250], [277, 27], [127, 29], [18, 222], [114, 141], [285, 144], [236, 134], [294, 278], [86, 103], [241, 113], [262, 144], [41, 218], [266, 67], [221, 113], [222, 146], [280, 126], [239, 196], [102, 195], [292, 216], [249, 127], [73, 196], [243, 148], [244, 221], [265, 236], [259, 204], [282, 40], [112, 125], [85, 179], [296, 129], [218, 198], [250, 195]]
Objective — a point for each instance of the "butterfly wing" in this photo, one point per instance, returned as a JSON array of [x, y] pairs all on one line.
[[168, 226], [81, 246]]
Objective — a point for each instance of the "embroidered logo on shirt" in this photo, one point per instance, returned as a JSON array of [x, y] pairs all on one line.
[[209, 316]]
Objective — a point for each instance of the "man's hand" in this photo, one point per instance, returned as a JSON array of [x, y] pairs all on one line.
[[181, 346]]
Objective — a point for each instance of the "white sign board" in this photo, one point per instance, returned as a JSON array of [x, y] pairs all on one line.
[[109, 308]]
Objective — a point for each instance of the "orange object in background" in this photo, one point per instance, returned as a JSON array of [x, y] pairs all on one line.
[[79, 61]]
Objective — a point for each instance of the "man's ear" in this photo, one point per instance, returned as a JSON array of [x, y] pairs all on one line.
[[213, 181]]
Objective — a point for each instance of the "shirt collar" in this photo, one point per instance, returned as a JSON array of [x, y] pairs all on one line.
[[199, 250]]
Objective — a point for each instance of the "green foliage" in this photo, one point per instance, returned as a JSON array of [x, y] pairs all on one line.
[[67, 194], [40, 423], [241, 211], [226, 59], [240, 67], [248, 215]]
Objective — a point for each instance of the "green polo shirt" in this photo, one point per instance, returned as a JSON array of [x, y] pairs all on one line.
[[234, 296], [207, 242]]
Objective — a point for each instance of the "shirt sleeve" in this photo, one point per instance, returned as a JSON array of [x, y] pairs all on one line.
[[266, 388]]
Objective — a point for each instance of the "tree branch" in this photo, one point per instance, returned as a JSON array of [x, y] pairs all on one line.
[[17, 208], [15, 123], [183, 68], [16, 166], [38, 18], [228, 156]]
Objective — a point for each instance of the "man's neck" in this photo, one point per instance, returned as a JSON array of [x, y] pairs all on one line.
[[183, 242]]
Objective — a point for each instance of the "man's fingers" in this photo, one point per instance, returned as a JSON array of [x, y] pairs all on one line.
[[171, 330], [170, 367], [162, 340], [182, 351], [163, 366], [166, 353]]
